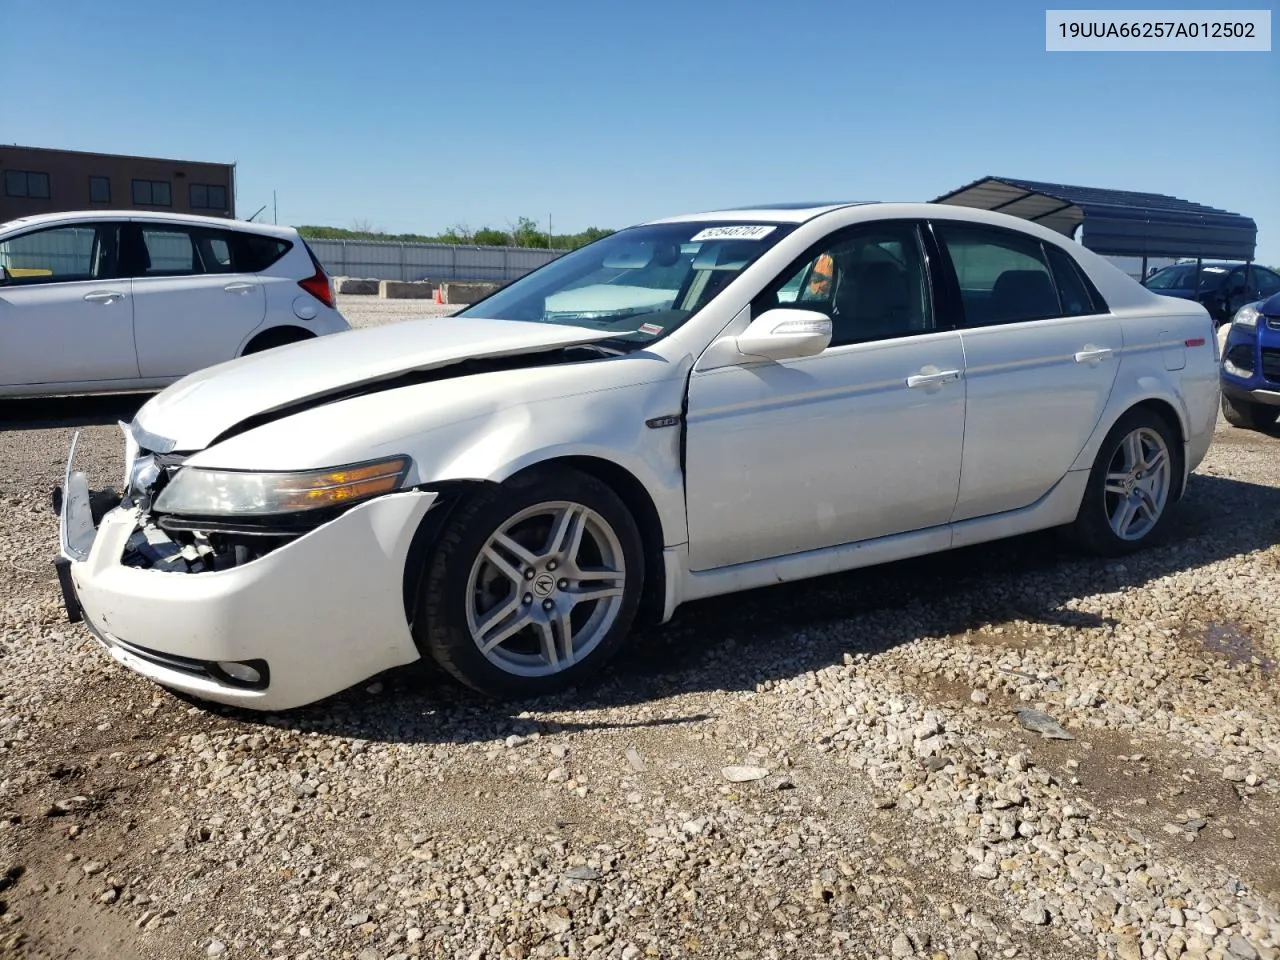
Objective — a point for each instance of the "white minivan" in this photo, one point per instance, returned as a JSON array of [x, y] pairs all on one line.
[[106, 301]]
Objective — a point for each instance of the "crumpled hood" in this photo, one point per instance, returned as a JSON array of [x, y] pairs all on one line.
[[196, 410]]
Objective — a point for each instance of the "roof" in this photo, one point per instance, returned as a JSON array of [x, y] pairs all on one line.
[[1119, 223], [118, 156], [192, 219], [794, 212]]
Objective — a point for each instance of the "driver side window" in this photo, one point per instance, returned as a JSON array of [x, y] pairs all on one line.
[[869, 280], [1267, 282], [59, 255]]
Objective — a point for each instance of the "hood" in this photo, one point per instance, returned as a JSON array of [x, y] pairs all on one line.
[[198, 409]]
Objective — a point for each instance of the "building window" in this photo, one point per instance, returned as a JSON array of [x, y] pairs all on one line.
[[100, 189], [152, 193], [208, 196], [26, 183]]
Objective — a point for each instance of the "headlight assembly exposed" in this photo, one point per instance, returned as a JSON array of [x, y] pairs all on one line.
[[196, 491], [1246, 316]]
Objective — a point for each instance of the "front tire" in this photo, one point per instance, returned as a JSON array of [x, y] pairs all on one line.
[[1130, 494], [534, 586], [1248, 416]]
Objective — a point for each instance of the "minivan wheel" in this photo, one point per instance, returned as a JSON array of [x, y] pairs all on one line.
[[534, 586], [276, 337], [1129, 498], [1249, 416]]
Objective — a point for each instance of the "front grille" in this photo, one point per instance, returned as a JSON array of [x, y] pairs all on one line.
[[1271, 364]]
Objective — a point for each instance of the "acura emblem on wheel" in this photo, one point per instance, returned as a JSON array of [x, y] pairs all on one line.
[[544, 585]]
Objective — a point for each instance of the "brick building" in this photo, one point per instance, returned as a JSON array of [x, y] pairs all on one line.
[[41, 180]]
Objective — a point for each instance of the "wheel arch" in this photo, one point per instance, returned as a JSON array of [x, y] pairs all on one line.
[[641, 505], [632, 491], [1149, 394], [1161, 406], [276, 336]]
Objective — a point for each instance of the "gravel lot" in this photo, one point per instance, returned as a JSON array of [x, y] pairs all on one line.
[[892, 804]]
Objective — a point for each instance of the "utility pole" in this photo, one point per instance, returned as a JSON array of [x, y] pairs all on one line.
[[550, 245], [274, 217]]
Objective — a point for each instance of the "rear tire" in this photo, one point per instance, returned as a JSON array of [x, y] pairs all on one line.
[[534, 585], [1248, 416], [1129, 498], [276, 337]]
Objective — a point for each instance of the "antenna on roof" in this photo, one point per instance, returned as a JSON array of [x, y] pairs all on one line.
[[256, 212]]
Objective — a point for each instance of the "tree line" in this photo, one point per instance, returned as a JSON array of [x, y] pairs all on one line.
[[523, 232]]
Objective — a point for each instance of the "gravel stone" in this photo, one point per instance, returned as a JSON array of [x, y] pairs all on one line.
[[599, 824], [744, 774]]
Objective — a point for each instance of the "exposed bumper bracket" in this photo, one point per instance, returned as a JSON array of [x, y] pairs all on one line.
[[69, 599]]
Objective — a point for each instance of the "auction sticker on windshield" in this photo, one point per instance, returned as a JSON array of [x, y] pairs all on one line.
[[652, 329], [738, 232]]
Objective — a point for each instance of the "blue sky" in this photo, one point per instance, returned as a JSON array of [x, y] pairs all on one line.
[[414, 116]]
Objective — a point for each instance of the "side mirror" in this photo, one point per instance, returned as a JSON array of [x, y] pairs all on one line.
[[785, 333]]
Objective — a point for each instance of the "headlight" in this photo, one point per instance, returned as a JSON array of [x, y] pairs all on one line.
[[1246, 316], [195, 491]]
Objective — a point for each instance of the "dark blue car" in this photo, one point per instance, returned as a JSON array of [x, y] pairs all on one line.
[[1251, 366], [1223, 288]]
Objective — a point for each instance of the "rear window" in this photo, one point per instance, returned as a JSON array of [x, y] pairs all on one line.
[[1075, 292], [257, 252]]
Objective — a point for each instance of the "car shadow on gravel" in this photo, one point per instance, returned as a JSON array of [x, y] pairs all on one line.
[[744, 641], [45, 413]]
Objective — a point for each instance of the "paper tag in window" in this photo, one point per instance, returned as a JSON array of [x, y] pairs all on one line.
[[736, 232], [650, 328]]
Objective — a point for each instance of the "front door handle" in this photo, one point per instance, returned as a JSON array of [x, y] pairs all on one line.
[[103, 296], [1092, 354], [932, 377], [238, 287]]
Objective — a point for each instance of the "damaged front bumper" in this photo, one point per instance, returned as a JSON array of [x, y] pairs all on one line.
[[306, 620]]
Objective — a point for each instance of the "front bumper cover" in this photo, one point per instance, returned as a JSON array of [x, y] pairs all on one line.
[[1251, 394], [324, 611]]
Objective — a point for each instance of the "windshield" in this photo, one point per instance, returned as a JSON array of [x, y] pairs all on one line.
[[1183, 277], [640, 283]]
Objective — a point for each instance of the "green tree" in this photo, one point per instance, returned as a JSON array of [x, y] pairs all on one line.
[[489, 237], [523, 232]]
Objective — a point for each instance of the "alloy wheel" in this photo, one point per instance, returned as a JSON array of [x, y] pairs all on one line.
[[545, 589], [1139, 478]]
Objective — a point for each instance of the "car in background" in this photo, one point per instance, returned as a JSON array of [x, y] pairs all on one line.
[[1250, 378], [689, 407], [102, 301], [1223, 288]]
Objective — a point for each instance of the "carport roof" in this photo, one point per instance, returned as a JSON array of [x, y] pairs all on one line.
[[1119, 223]]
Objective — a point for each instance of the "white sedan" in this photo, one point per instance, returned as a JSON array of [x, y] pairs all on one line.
[[508, 491], [108, 301]]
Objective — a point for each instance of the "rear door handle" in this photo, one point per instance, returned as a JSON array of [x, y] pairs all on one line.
[[932, 378], [1093, 354], [103, 296], [239, 287]]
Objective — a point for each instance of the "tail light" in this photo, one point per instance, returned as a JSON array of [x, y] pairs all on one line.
[[318, 284]]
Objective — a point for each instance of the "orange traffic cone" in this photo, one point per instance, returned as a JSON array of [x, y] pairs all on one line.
[[439, 297]]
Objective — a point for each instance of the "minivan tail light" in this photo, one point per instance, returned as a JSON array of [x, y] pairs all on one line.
[[317, 284], [319, 287]]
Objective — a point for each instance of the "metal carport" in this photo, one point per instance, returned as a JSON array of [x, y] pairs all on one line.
[[1117, 223]]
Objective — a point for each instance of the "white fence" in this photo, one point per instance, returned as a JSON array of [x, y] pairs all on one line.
[[427, 261]]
